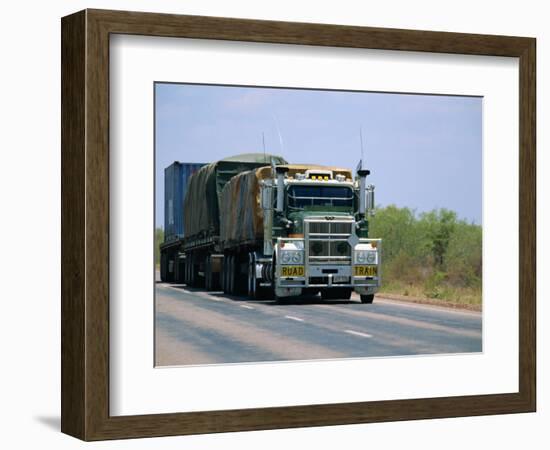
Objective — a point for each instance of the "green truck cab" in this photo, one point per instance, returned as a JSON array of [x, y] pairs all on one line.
[[319, 240]]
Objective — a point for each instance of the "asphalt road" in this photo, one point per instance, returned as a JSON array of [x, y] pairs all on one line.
[[198, 327]]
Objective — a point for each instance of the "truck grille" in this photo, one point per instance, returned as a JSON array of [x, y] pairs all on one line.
[[327, 241], [329, 227]]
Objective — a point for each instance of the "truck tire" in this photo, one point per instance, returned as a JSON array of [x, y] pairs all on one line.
[[271, 292], [233, 279], [163, 267], [231, 275], [196, 280], [192, 271], [224, 275], [227, 275], [255, 291], [215, 274], [208, 274], [179, 270], [240, 275], [336, 294], [369, 298], [169, 274], [252, 282], [186, 277], [281, 300]]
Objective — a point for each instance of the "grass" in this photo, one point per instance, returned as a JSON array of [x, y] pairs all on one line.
[[442, 293]]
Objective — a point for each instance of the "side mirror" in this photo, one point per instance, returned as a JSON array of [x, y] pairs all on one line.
[[267, 195]]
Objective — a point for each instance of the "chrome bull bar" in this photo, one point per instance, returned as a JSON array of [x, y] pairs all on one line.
[[342, 265]]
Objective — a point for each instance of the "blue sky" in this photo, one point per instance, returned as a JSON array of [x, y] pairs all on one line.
[[424, 151]]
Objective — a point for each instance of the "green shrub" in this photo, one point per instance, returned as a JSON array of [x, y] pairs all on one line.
[[433, 254]]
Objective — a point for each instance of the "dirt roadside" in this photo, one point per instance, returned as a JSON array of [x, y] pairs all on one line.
[[430, 301]]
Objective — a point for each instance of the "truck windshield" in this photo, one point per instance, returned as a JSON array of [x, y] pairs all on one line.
[[303, 196]]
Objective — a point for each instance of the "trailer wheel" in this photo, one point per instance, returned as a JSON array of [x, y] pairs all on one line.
[[179, 270], [208, 274], [192, 271], [186, 269], [229, 275], [190, 280], [251, 276], [233, 275], [367, 298], [163, 267], [224, 274], [169, 277], [196, 279], [226, 278]]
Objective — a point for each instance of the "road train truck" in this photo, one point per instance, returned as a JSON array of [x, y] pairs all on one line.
[[258, 226]]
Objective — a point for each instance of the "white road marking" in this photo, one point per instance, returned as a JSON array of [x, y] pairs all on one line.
[[297, 319], [358, 333], [196, 293], [246, 306]]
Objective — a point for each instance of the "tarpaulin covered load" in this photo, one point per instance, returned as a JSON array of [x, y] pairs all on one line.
[[241, 212], [201, 205]]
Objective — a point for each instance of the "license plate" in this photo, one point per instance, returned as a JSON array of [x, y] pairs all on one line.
[[340, 278], [292, 271], [365, 271]]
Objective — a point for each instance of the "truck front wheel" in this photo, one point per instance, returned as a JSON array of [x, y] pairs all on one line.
[[369, 298], [336, 294], [252, 281]]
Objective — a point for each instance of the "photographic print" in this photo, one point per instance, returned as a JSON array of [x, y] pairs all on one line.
[[271, 245], [337, 202]]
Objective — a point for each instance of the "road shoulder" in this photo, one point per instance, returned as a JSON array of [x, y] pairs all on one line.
[[430, 301]]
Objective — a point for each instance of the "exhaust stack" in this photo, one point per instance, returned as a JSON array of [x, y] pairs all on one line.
[[280, 187], [362, 173]]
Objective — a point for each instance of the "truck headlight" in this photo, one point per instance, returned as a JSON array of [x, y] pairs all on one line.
[[285, 257], [292, 256], [365, 257], [297, 257]]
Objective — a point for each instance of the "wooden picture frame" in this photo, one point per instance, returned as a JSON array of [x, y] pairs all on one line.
[[85, 224]]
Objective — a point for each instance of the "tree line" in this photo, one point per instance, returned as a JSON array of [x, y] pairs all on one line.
[[433, 254]]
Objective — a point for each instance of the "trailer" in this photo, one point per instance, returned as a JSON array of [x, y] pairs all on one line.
[[176, 178], [193, 257]]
